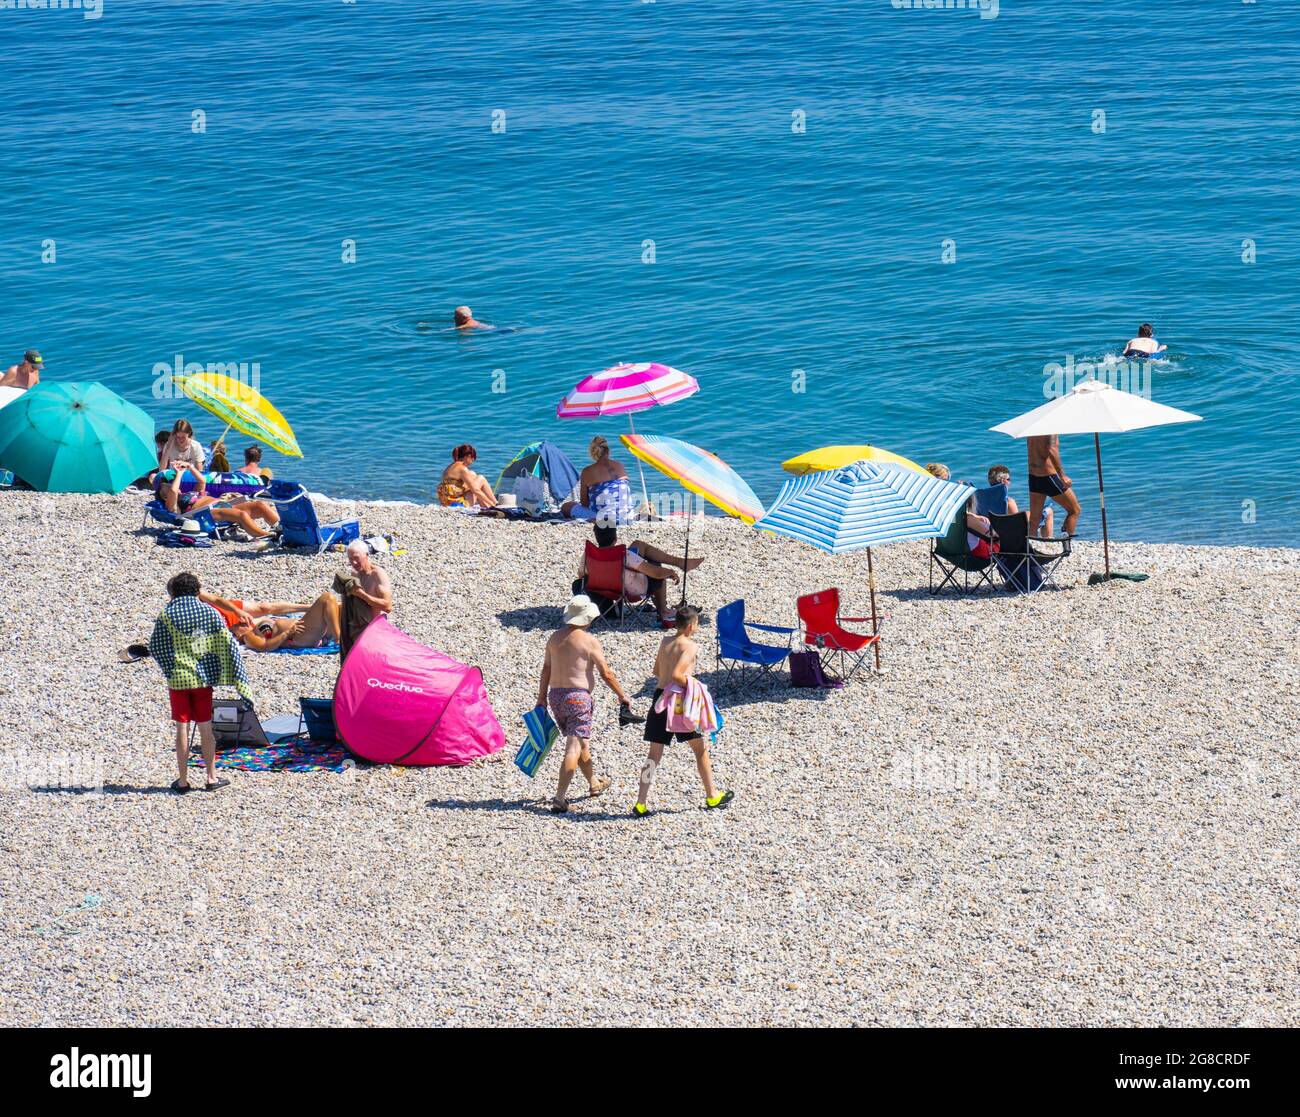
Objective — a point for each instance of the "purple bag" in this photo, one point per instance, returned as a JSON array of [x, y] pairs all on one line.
[[806, 671]]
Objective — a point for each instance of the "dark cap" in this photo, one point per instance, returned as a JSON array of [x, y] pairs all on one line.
[[33, 358]]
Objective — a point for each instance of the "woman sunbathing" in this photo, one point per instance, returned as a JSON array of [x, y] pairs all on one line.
[[319, 625], [461, 485]]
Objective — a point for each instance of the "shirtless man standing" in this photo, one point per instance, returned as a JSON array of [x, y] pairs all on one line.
[[374, 587], [674, 663], [1047, 477], [573, 656]]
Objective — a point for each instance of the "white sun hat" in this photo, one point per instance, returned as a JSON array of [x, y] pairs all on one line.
[[580, 611]]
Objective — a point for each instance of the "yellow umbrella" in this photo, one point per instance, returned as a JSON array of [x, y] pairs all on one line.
[[242, 407], [835, 457]]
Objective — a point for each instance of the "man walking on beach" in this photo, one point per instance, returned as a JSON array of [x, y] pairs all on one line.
[[194, 651], [573, 656], [1047, 478], [25, 374], [674, 664]]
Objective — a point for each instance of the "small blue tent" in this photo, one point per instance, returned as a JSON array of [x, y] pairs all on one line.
[[551, 464]]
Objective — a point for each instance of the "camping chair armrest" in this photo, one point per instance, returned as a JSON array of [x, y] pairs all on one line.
[[880, 622], [265, 494], [771, 628]]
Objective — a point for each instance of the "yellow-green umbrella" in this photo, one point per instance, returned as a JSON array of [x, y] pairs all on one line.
[[836, 457], [242, 407]]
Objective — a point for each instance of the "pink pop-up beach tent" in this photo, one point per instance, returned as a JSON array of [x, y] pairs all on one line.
[[399, 702]]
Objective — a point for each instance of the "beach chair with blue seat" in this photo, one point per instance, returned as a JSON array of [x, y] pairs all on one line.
[[199, 524], [299, 525], [742, 658]]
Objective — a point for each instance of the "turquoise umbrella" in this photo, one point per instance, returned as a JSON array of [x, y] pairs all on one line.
[[76, 438]]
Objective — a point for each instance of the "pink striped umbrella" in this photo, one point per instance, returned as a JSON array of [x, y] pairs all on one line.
[[626, 388]]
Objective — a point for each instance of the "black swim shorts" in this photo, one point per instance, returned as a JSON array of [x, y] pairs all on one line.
[[656, 725], [1049, 484]]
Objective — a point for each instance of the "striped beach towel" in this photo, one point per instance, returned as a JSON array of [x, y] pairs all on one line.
[[542, 732]]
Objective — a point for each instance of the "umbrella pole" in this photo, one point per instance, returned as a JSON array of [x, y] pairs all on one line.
[[1101, 493], [686, 559], [875, 624], [645, 496]]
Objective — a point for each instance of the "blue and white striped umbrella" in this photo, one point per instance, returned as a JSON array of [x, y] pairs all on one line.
[[865, 504]]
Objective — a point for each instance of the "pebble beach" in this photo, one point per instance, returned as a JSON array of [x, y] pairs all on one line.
[[1071, 809]]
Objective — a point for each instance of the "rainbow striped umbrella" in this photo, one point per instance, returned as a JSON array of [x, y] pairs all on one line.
[[624, 389], [699, 471]]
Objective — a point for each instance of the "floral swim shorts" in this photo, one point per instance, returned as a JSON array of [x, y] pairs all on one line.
[[571, 707]]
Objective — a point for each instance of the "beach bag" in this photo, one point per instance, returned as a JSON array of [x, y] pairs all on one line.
[[316, 716], [1023, 573], [530, 493], [542, 732], [806, 671]]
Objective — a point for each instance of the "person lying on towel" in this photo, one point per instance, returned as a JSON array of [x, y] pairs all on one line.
[[261, 626]]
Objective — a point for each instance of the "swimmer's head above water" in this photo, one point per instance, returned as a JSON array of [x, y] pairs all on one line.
[[465, 319]]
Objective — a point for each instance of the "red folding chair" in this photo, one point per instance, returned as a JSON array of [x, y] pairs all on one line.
[[605, 580], [819, 615]]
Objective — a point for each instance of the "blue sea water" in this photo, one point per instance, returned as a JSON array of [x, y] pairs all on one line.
[[782, 258]]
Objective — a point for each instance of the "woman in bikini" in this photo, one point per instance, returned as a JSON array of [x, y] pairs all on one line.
[[461, 485]]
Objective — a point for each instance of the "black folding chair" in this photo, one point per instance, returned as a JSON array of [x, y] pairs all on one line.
[[1025, 568]]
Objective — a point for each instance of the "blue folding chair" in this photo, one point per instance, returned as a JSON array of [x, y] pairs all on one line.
[[157, 511], [737, 652], [299, 526]]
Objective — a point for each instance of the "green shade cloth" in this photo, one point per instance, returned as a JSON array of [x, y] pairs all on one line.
[[76, 438]]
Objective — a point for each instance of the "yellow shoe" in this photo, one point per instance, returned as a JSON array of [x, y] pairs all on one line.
[[640, 810]]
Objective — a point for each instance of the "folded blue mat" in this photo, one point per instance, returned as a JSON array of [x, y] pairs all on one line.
[[324, 649]]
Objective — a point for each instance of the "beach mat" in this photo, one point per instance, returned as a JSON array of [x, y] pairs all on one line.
[[324, 649], [297, 755], [1116, 576]]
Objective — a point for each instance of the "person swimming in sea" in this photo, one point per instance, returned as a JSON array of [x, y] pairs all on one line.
[[464, 318], [1145, 344]]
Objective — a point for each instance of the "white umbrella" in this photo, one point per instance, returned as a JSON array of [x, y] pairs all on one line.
[[8, 395], [1094, 407]]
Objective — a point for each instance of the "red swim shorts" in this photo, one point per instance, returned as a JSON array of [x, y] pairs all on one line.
[[191, 705]]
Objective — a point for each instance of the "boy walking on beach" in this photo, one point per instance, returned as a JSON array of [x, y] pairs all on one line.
[[674, 664], [573, 656], [194, 651]]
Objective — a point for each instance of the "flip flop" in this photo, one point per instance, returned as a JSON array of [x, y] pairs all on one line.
[[560, 808], [133, 653], [627, 716], [220, 783], [180, 788]]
